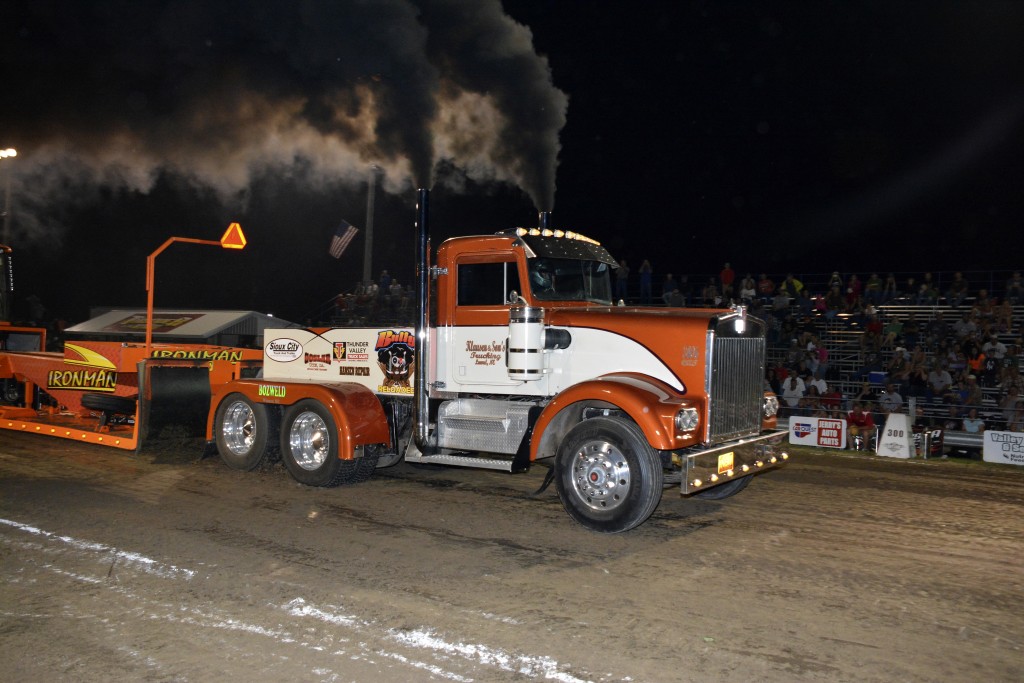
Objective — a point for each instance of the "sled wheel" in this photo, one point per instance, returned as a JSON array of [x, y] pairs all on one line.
[[609, 479]]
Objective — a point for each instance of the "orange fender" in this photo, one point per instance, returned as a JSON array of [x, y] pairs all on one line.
[[356, 410], [649, 402]]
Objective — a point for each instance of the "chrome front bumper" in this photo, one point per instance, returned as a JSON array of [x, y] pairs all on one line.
[[725, 462]]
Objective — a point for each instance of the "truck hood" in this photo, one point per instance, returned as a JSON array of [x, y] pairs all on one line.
[[677, 336]]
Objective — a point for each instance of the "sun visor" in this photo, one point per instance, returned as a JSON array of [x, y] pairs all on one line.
[[560, 244]]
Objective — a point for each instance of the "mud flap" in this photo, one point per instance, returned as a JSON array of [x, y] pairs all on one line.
[[174, 401]]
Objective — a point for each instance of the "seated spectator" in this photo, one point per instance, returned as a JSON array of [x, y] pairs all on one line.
[[926, 295], [991, 370], [984, 307], [1014, 289], [993, 347], [765, 287], [854, 287], [917, 384], [805, 303], [872, 363], [972, 423], [1011, 377], [898, 369], [972, 394], [1017, 423], [953, 421], [791, 286], [811, 402], [834, 302], [872, 337], [1003, 321], [860, 427], [965, 326], [892, 332], [1009, 404], [832, 401], [911, 332], [780, 305], [939, 382], [890, 400], [816, 381], [873, 289], [668, 288], [793, 390], [710, 294], [890, 290], [748, 289], [957, 291], [936, 330], [835, 281]]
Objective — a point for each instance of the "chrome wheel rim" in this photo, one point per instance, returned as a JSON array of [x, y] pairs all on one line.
[[239, 428], [309, 440], [600, 475]]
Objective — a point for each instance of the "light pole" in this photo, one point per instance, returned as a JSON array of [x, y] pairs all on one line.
[[368, 242], [5, 154]]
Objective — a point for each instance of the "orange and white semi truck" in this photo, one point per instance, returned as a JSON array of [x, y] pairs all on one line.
[[519, 354]]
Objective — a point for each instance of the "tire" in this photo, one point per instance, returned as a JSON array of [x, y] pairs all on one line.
[[118, 405], [309, 448], [608, 477], [11, 391], [246, 433], [726, 490]]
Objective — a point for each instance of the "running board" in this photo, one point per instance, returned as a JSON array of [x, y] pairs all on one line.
[[413, 454]]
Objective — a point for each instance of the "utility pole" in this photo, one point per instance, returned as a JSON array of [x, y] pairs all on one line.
[[368, 244]]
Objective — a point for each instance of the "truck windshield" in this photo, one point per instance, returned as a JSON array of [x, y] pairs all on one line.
[[564, 279]]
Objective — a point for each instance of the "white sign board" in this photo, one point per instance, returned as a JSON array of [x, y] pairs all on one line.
[[823, 432], [897, 438], [379, 358], [1004, 447]]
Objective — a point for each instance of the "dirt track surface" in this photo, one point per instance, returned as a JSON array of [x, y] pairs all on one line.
[[163, 567]]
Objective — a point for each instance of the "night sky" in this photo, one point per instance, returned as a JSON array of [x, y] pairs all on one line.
[[780, 136]]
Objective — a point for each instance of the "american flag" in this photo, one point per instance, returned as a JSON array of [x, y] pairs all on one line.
[[342, 236]]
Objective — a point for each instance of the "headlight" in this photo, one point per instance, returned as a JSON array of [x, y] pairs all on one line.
[[771, 405], [687, 420]]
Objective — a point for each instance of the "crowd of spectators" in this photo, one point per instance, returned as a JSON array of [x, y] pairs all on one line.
[[952, 349]]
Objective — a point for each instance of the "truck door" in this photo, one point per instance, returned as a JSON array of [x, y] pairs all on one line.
[[483, 284]]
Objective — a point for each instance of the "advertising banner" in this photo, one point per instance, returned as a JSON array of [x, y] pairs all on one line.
[[1004, 447], [817, 431]]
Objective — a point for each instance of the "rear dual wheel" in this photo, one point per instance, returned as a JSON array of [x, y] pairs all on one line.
[[309, 448], [246, 433]]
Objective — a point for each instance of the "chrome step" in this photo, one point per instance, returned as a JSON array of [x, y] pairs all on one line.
[[504, 465]]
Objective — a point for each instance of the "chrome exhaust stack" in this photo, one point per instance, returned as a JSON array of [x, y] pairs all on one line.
[[421, 409]]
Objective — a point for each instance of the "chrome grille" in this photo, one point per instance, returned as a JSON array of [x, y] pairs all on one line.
[[735, 384]]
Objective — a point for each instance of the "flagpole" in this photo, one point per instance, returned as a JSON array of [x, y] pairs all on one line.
[[368, 243]]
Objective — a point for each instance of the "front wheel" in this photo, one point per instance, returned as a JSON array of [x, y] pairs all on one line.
[[608, 477], [309, 448], [726, 490]]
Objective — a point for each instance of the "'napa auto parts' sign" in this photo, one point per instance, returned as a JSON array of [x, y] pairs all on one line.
[[1004, 447], [817, 431]]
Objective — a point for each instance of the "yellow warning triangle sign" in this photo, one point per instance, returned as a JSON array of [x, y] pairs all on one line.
[[233, 237]]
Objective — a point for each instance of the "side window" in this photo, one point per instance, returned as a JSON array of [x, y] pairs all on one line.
[[486, 284]]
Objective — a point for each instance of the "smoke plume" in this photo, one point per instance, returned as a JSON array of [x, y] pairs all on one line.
[[117, 93]]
